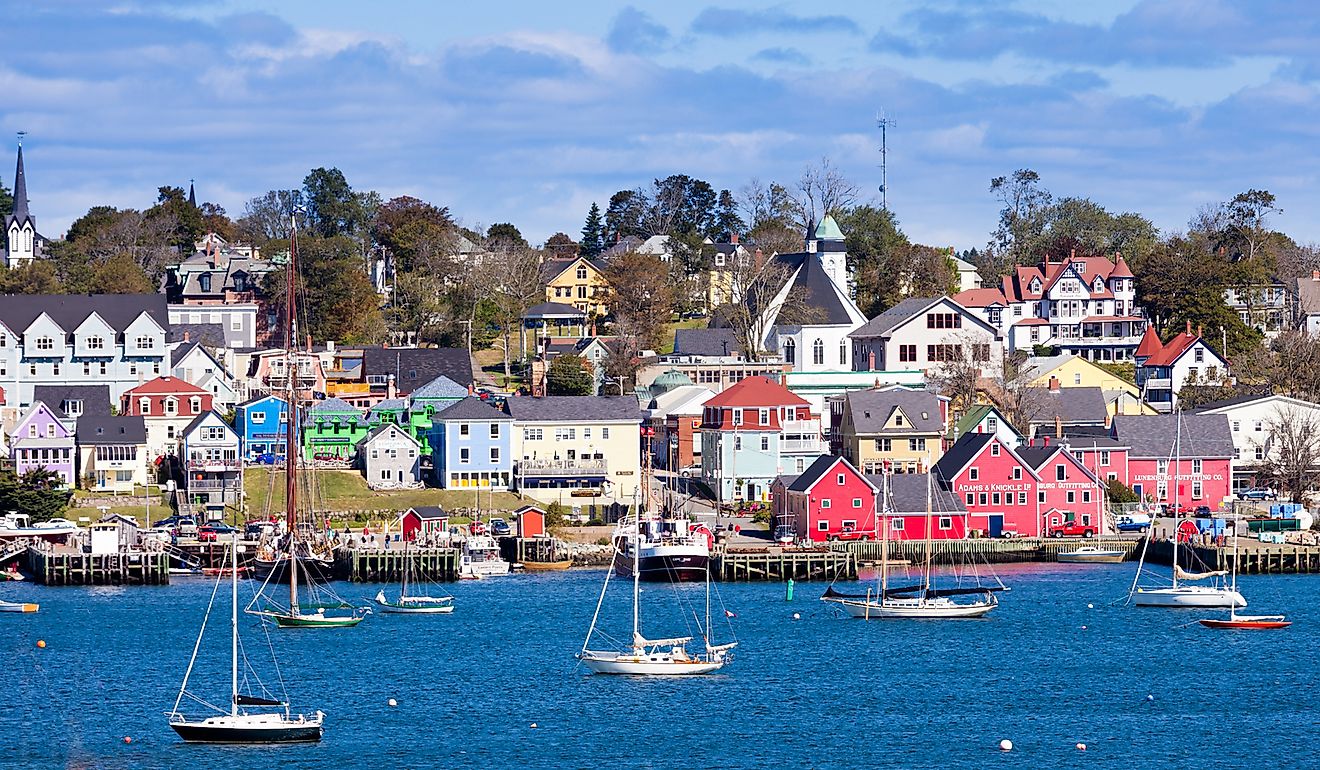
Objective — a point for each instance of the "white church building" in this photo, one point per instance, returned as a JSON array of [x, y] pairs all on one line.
[[22, 241]]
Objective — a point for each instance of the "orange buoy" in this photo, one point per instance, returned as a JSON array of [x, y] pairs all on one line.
[[41, 644], [127, 739]]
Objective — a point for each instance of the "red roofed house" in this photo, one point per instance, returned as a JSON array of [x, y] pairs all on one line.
[[1164, 368], [752, 432], [1084, 306], [167, 405]]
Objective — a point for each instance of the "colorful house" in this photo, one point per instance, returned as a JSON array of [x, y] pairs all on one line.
[[425, 522], [424, 402], [331, 429], [472, 446], [1121, 396], [892, 427], [674, 416], [262, 425], [112, 453], [1067, 491], [753, 432], [41, 440], [529, 521], [827, 499], [390, 457], [579, 282], [903, 510], [1204, 443], [212, 467], [1164, 369], [997, 486], [167, 404], [568, 447]]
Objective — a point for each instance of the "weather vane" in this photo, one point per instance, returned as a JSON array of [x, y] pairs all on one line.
[[21, 134]]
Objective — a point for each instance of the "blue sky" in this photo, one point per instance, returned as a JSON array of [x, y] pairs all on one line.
[[529, 111]]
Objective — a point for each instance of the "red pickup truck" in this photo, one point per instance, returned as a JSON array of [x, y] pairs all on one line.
[[848, 533], [1074, 529]]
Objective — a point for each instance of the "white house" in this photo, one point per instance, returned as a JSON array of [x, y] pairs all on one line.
[[923, 333], [1084, 306], [1164, 369], [809, 319], [1253, 421], [193, 363], [390, 457]]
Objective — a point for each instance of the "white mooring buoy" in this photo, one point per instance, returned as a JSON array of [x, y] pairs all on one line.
[[1006, 745]]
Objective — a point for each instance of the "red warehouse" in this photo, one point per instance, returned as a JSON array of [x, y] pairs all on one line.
[[1066, 491], [830, 500], [996, 485], [1205, 472], [904, 504]]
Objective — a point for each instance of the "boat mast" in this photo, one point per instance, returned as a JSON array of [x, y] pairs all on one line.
[[291, 435], [882, 510], [233, 626], [925, 578], [637, 562], [1177, 515]]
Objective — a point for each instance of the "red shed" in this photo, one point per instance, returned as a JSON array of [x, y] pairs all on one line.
[[905, 503], [529, 521], [425, 521]]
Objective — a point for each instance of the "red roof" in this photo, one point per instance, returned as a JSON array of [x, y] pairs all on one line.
[[1150, 344], [1033, 322], [1173, 349], [166, 385], [757, 391], [1121, 269], [980, 298]]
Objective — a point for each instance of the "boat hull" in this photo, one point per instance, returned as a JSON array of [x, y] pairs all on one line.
[[647, 665], [1092, 557], [913, 608], [316, 621], [248, 730], [675, 567], [1194, 596], [1246, 625], [394, 609], [19, 607], [547, 566]]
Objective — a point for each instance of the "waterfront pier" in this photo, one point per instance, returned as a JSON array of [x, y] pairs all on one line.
[[74, 568], [993, 551], [781, 564]]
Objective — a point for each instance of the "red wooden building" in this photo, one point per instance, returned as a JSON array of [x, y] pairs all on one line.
[[1204, 475], [904, 503], [996, 485], [1066, 491], [827, 500], [529, 521], [425, 522]]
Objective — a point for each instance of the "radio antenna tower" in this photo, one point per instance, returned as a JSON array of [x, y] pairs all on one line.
[[884, 123]]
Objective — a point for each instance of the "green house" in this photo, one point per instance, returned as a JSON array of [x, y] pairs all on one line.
[[331, 428], [425, 402]]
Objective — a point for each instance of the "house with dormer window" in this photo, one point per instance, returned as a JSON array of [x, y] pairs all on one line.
[[1165, 368], [894, 427], [212, 467], [579, 282], [167, 404]]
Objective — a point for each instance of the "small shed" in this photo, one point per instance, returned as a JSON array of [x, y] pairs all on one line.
[[125, 529], [425, 521], [530, 521]]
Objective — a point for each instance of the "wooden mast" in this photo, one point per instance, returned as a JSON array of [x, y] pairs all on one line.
[[291, 435]]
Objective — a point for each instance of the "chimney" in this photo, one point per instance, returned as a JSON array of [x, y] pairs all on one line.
[[1315, 275], [329, 346], [186, 335], [1072, 254], [1058, 426], [391, 390], [733, 238], [1198, 330], [1054, 384], [1189, 327], [1046, 439]]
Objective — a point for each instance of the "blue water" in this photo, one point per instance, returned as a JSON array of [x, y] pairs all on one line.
[[821, 691]]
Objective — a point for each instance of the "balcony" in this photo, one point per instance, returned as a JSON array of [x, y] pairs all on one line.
[[1159, 383], [211, 485], [803, 446], [806, 427], [563, 468], [214, 464]]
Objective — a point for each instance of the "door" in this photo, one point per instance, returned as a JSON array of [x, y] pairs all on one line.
[[996, 524]]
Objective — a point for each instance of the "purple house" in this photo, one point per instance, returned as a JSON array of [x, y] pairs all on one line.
[[41, 440]]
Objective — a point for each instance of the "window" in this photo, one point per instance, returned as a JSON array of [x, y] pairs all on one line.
[[818, 352], [994, 499], [907, 353], [464, 429], [1086, 495], [883, 445], [1077, 378], [144, 343], [916, 445], [531, 434], [582, 273], [737, 416], [32, 431], [825, 503], [171, 406], [790, 352], [765, 443], [1237, 426], [843, 353], [257, 418], [1196, 490], [944, 352], [992, 424], [586, 433], [464, 454], [1196, 467], [495, 454], [1104, 457], [1259, 426], [763, 416], [737, 443], [971, 498], [195, 405], [822, 526], [898, 419], [1260, 452], [45, 343], [994, 450], [1162, 467], [974, 473], [144, 405], [55, 369], [494, 430], [1199, 355], [604, 433], [946, 522], [1040, 497], [981, 352], [943, 321], [96, 343], [1017, 472], [1072, 497], [1022, 498], [1060, 472], [169, 431]]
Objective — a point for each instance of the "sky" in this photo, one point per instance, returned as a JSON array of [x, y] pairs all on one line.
[[525, 111]]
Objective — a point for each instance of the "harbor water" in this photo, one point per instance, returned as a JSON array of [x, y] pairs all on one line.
[[1139, 687]]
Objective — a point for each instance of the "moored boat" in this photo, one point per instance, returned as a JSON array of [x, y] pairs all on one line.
[[547, 566], [19, 607], [1248, 622], [670, 549], [1090, 554], [480, 558]]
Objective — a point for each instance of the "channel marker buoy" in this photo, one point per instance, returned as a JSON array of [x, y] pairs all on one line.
[[1081, 747]]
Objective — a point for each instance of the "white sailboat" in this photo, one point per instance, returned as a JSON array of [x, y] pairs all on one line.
[[913, 601], [1186, 589], [413, 604], [237, 724], [652, 657]]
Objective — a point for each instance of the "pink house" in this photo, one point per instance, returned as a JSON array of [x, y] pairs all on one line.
[[1204, 474], [903, 508], [994, 482], [825, 501], [1066, 490]]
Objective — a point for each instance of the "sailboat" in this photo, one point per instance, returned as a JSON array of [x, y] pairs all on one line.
[[300, 557], [652, 657], [1184, 592], [238, 724], [913, 601], [413, 604], [1244, 622]]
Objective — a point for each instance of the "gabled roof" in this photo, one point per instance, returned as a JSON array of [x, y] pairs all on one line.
[[332, 406], [553, 310], [98, 429], [551, 269], [706, 342], [1037, 455], [18, 311], [1150, 344], [95, 398], [987, 297], [1067, 405], [440, 387], [757, 391], [813, 294], [1175, 348], [206, 334], [429, 512], [818, 469], [575, 409], [871, 410], [470, 408], [1250, 398], [203, 417], [382, 429], [891, 319], [415, 367], [1153, 436], [907, 494], [258, 399], [166, 385], [958, 456], [685, 400]]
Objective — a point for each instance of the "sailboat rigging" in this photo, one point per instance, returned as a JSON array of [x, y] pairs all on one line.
[[300, 556], [922, 600], [413, 604], [237, 724], [1183, 592]]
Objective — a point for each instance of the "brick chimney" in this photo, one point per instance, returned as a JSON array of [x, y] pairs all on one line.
[[1054, 384], [1198, 330], [186, 335], [1189, 327], [733, 238]]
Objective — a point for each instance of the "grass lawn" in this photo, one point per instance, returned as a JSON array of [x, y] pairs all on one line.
[[346, 491], [686, 323]]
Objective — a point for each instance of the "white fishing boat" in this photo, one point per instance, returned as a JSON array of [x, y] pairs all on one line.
[[1091, 554], [19, 607], [413, 604], [670, 549], [1186, 589], [652, 657], [922, 600], [16, 525], [239, 723], [480, 558]]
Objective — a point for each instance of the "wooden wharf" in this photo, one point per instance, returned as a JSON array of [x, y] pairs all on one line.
[[385, 565], [1254, 557], [782, 564], [74, 568], [993, 551]]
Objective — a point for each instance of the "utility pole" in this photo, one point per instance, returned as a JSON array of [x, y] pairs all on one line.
[[884, 123]]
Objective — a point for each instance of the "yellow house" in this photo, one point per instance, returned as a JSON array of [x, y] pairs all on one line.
[[893, 425], [579, 282], [1121, 396], [577, 450]]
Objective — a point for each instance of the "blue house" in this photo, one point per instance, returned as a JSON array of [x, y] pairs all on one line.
[[262, 426], [472, 446]]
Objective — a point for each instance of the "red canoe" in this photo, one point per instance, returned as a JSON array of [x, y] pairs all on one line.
[[1262, 622]]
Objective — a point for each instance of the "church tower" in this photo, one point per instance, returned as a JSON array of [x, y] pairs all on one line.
[[828, 245], [22, 243]]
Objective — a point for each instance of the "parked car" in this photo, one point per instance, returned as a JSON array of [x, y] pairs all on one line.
[[1258, 493], [1178, 509], [253, 530], [56, 523], [849, 534], [1132, 522], [215, 531], [690, 471], [186, 527], [1074, 529], [1202, 512], [157, 534], [500, 528]]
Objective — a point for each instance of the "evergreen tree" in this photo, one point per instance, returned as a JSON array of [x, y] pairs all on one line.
[[727, 220], [593, 234], [6, 200], [567, 375]]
